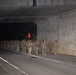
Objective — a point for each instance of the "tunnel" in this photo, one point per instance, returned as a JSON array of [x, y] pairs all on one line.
[[18, 31], [37, 37], [40, 19]]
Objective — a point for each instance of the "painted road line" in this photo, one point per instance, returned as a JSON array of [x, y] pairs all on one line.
[[14, 66], [51, 60], [45, 58]]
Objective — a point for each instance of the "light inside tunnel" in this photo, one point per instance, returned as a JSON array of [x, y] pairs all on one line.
[[29, 35]]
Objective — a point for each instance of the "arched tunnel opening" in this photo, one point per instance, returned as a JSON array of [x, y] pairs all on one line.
[[18, 31]]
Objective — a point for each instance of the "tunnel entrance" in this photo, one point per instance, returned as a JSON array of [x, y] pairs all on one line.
[[18, 31]]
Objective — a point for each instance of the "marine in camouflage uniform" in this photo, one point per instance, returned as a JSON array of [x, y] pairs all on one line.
[[40, 47], [23, 45], [35, 47], [12, 44], [8, 47], [18, 46], [29, 46], [47, 49], [44, 47], [4, 44], [55, 47], [49, 45]]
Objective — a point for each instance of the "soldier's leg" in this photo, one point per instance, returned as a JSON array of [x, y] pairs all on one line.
[[36, 50], [29, 50], [43, 51], [50, 50], [25, 49], [21, 48], [55, 51], [18, 48]]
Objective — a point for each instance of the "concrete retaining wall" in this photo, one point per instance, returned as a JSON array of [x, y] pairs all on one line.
[[54, 2], [14, 3], [11, 3], [62, 28]]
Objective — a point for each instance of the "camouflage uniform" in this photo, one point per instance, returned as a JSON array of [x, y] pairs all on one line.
[[44, 47], [14, 45], [49, 45], [23, 45], [40, 47], [8, 46], [29, 46], [35, 47], [18, 46], [55, 47]]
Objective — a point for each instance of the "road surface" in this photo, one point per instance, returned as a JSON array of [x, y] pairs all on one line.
[[40, 65]]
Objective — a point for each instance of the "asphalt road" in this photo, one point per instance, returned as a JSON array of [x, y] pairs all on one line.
[[41, 65]]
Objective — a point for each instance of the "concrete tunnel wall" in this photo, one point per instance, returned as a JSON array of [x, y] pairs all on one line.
[[54, 2], [14, 3], [62, 28]]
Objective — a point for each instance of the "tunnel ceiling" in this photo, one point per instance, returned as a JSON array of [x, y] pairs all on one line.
[[21, 14]]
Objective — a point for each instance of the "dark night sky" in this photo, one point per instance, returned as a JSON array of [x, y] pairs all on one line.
[[16, 31]]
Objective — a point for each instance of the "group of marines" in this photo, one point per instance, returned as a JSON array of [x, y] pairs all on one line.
[[43, 47]]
